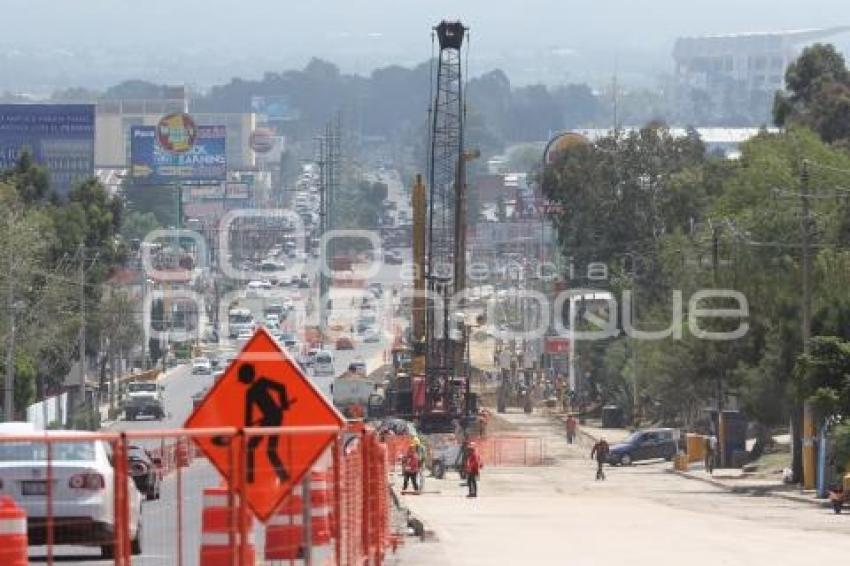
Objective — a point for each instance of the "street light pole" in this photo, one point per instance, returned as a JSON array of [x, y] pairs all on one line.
[[9, 385]]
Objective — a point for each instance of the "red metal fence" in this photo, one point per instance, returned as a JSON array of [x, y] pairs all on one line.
[[339, 514]]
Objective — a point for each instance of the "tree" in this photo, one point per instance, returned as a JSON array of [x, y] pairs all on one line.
[[525, 158], [119, 333], [823, 376], [137, 225], [818, 93], [29, 180]]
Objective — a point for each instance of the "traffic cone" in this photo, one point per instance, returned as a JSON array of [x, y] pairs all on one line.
[[285, 529], [13, 533], [216, 529]]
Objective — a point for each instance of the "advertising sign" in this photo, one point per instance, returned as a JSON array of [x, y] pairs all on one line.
[[262, 140], [176, 132], [274, 108], [563, 142], [151, 164], [58, 136]]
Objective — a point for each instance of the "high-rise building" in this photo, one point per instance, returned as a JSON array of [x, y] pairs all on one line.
[[718, 76]]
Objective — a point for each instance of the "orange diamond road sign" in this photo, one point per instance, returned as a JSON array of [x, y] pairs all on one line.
[[263, 387]]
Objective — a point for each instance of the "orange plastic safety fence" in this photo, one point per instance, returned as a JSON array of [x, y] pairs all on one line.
[[191, 514], [512, 450]]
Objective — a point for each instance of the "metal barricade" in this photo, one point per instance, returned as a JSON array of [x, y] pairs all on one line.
[[191, 509]]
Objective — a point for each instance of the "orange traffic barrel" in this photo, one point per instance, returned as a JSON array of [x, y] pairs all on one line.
[[285, 529], [13, 533], [321, 506], [219, 534]]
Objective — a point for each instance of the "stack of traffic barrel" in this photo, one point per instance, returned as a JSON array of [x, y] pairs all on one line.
[[220, 530], [286, 537], [13, 533]]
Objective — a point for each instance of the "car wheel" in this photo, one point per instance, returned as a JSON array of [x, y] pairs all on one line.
[[136, 543], [150, 493], [438, 469], [836, 507], [625, 460], [107, 551]]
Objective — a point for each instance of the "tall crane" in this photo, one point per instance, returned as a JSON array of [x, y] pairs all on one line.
[[432, 385], [447, 395]]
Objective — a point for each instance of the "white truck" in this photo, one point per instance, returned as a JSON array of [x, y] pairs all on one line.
[[144, 398]]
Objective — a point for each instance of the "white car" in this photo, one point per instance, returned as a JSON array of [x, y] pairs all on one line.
[[244, 335], [201, 366], [272, 320], [82, 490]]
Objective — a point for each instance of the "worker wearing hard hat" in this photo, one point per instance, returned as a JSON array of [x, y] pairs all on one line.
[[473, 469], [410, 463]]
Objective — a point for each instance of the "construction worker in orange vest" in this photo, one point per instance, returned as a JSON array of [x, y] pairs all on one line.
[[473, 469]]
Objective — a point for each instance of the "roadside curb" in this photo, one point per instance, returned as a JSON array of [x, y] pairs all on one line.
[[753, 491], [740, 490], [412, 521]]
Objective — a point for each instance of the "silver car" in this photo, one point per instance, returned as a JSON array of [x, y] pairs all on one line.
[[82, 490]]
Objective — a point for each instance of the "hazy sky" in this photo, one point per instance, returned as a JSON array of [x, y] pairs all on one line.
[[211, 39]]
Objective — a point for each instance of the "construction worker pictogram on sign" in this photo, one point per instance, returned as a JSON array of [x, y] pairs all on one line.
[[263, 388], [261, 395]]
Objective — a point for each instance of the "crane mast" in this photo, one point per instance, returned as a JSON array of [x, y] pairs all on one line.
[[446, 382]]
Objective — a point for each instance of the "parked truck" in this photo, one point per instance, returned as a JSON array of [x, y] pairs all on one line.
[[356, 396], [143, 398]]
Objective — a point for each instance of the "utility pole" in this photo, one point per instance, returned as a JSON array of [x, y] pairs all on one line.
[[806, 259], [82, 382], [9, 386], [721, 434], [323, 219], [798, 443]]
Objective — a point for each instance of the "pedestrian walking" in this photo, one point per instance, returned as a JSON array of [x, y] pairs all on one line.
[[473, 469], [710, 453], [410, 467], [571, 428], [600, 452]]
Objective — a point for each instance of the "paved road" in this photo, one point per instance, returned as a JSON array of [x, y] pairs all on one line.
[[641, 516], [159, 518], [163, 519]]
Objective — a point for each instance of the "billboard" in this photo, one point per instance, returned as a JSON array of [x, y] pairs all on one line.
[[58, 136], [274, 108], [152, 165]]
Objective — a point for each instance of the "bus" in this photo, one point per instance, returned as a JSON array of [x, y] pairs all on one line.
[[239, 319]]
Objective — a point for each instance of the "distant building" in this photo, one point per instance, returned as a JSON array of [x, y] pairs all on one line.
[[718, 77], [726, 141], [61, 137], [239, 127], [115, 117]]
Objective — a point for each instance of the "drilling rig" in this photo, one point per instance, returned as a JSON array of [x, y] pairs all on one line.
[[434, 388]]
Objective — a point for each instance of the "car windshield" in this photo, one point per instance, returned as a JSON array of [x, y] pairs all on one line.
[[633, 437], [140, 387], [37, 451]]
